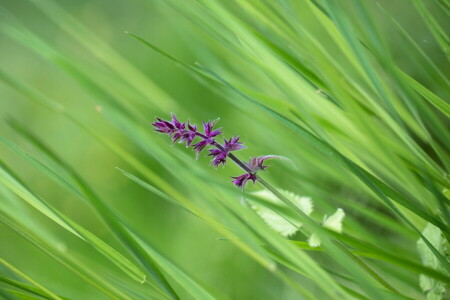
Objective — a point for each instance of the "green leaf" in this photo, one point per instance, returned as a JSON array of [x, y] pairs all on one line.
[[434, 289], [281, 223]]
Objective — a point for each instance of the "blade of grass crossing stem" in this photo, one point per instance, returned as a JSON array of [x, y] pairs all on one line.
[[49, 294], [17, 295], [154, 190], [7, 295], [27, 288]]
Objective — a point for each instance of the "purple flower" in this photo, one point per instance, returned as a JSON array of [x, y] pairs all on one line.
[[163, 126], [233, 144], [186, 132], [189, 135], [208, 137], [220, 156], [173, 128], [201, 145], [208, 128], [256, 163], [242, 180]]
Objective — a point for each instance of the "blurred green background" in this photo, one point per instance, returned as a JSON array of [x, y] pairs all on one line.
[[185, 239], [153, 86]]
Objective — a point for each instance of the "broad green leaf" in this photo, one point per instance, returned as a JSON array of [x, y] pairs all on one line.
[[434, 289]]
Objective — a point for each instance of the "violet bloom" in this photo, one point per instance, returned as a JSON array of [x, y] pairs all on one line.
[[208, 136], [220, 155], [173, 128], [233, 144], [189, 135], [186, 132], [256, 163], [241, 181]]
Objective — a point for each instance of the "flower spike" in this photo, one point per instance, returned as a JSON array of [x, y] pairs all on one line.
[[187, 132]]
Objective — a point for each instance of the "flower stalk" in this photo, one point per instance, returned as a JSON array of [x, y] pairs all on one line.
[[220, 152]]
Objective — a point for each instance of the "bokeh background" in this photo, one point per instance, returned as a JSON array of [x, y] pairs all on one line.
[[155, 86]]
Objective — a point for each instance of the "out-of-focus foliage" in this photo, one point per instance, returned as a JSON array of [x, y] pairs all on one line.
[[95, 205]]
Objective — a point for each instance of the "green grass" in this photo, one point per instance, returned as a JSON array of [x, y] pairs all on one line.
[[95, 205]]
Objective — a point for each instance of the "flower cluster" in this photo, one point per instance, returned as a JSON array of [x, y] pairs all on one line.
[[187, 133]]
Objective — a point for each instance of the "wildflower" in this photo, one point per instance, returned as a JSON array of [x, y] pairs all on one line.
[[186, 132], [233, 144], [208, 136], [240, 181], [256, 163], [189, 135], [163, 126], [220, 154], [208, 128], [173, 128]]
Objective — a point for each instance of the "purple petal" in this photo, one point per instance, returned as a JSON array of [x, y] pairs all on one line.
[[188, 137], [192, 127], [214, 152], [176, 137], [242, 180], [220, 156], [201, 145], [175, 122], [219, 159], [215, 133], [208, 128], [233, 144], [256, 163], [253, 164], [163, 126]]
